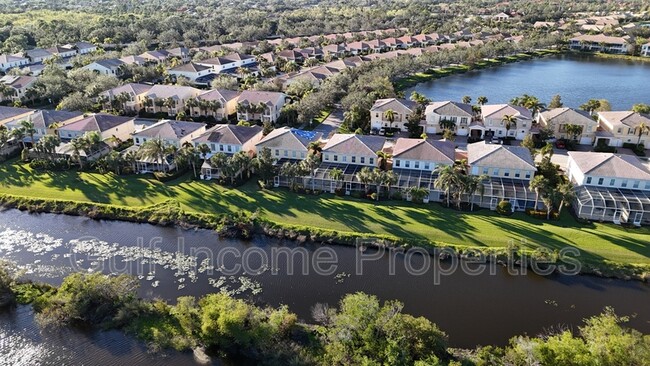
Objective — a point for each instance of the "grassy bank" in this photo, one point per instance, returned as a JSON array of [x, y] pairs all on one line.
[[438, 73], [207, 204], [619, 57]]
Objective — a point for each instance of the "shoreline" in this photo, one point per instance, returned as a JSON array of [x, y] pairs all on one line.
[[244, 226]]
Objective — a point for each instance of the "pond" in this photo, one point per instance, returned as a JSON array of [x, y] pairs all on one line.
[[479, 309], [577, 78]]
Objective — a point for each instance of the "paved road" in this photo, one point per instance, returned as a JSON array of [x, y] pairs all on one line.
[[331, 123]]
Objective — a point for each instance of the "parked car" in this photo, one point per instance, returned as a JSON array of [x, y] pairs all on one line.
[[560, 144]]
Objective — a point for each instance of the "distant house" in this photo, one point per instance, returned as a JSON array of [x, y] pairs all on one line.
[[645, 50], [81, 48], [8, 114], [400, 108], [288, 144], [259, 105], [191, 71], [106, 67], [351, 149], [181, 53], [601, 43], [128, 97], [291, 55], [335, 50], [509, 170], [169, 99], [37, 55], [107, 125], [8, 62], [155, 56], [171, 133], [19, 84], [356, 48], [460, 114], [557, 120], [228, 62], [134, 60], [619, 127], [62, 52], [216, 103], [227, 139], [494, 125], [610, 187], [45, 121], [501, 17]]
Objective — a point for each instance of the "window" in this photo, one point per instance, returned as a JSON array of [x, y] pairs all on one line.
[[397, 162], [463, 120], [137, 140], [624, 184], [506, 173], [647, 185], [336, 158], [588, 180], [286, 153], [363, 160], [600, 181], [416, 165], [302, 155], [612, 182], [426, 166], [636, 184], [371, 161], [354, 159], [345, 159], [229, 148], [293, 154], [495, 171], [407, 164], [220, 147], [517, 174], [527, 175], [277, 152], [327, 157], [486, 171]]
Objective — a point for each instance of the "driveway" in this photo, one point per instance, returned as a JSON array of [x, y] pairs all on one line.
[[331, 124]]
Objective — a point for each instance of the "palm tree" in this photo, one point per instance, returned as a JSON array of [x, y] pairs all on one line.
[[417, 193], [390, 178], [482, 100], [310, 164], [447, 124], [538, 184], [243, 162], [4, 136], [218, 161], [91, 141], [573, 130], [591, 105], [336, 174], [448, 180], [509, 122], [389, 115], [153, 150], [467, 99], [19, 135], [28, 127], [549, 201], [474, 184], [643, 128], [565, 194], [204, 150], [364, 176], [49, 144], [78, 145], [314, 148]]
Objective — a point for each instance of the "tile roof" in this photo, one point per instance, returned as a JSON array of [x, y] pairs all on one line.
[[99, 122], [627, 118], [170, 130], [130, 88], [289, 138], [449, 108], [130, 60], [111, 63], [229, 134], [18, 82], [610, 165], [190, 67], [11, 58], [221, 95], [10, 112], [439, 151], [382, 105], [354, 144], [173, 91], [499, 156], [497, 111], [256, 97], [44, 118], [566, 115]]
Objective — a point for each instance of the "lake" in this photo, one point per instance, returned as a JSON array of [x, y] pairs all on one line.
[[487, 308], [577, 78]]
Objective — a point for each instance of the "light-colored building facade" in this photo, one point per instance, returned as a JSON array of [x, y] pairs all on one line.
[[493, 121], [174, 133], [107, 125], [460, 114], [353, 149], [399, 108], [601, 43], [425, 155], [260, 105], [8, 62], [499, 161], [169, 99], [557, 119], [619, 127], [288, 143]]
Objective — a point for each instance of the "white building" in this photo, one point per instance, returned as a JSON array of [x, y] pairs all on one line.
[[460, 114], [493, 120], [8, 62], [400, 109], [260, 105], [106, 67], [191, 71]]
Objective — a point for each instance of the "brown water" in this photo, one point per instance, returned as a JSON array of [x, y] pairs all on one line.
[[474, 310]]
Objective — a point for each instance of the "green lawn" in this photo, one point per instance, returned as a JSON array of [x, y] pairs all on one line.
[[597, 242]]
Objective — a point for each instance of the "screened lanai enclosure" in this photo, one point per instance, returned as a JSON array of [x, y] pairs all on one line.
[[515, 191], [613, 205]]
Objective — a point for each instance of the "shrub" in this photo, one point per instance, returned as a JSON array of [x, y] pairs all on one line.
[[504, 208], [638, 149]]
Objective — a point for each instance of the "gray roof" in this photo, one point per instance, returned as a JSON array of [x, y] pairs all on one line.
[[566, 116], [216, 94], [499, 110], [610, 165], [229, 134], [499, 156], [256, 97], [130, 88], [191, 67], [383, 105], [168, 129], [354, 144], [99, 122], [627, 118], [289, 138], [449, 108], [11, 58], [439, 151], [10, 112], [110, 63], [44, 118]]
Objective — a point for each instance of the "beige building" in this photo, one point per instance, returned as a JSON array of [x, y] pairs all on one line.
[[558, 118], [288, 144], [401, 109], [108, 126], [494, 125], [620, 127], [460, 114], [353, 149], [499, 161]]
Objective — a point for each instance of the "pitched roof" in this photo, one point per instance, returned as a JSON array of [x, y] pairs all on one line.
[[567, 115], [610, 165], [449, 108], [190, 67], [497, 111], [354, 144], [111, 63], [169, 129], [130, 88], [383, 105], [130, 60], [10, 112], [99, 122], [627, 118], [439, 151], [289, 138], [499, 156], [17, 82], [172, 91], [44, 118], [38, 52], [600, 38], [221, 95], [229, 134], [256, 97], [11, 58]]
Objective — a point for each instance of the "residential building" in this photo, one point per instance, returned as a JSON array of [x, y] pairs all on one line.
[[291, 55], [155, 56], [501, 17], [128, 97], [356, 48], [228, 62], [335, 50], [383, 109], [134, 60], [45, 121], [227, 139], [172, 133], [460, 114], [610, 187], [619, 127], [181, 53], [168, 99], [288, 144], [37, 55], [62, 52], [352, 149], [260, 105], [8, 62], [109, 127], [558, 118], [109, 66], [8, 114], [424, 155], [645, 50], [601, 43], [191, 71], [19, 84], [81, 48], [493, 116], [216, 103]]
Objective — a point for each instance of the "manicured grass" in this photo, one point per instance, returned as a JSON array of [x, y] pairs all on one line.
[[319, 119], [597, 242]]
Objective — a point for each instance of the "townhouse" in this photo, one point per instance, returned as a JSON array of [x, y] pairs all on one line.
[[216, 103], [228, 63], [645, 50], [288, 144], [494, 121], [391, 113], [45, 121], [351, 149], [192, 71], [129, 97], [81, 48], [260, 105], [8, 62], [8, 114], [557, 119], [19, 84], [509, 170], [601, 43], [458, 117], [622, 127], [610, 187], [169, 99], [229, 140], [109, 127], [109, 67]]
